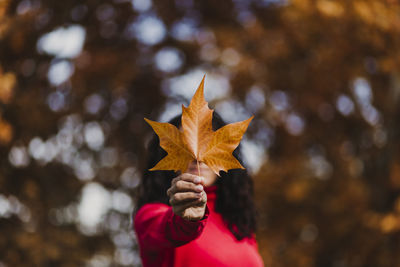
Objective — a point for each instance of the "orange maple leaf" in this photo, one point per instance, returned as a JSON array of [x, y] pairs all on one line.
[[197, 141]]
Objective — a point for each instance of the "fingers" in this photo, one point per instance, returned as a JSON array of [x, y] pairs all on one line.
[[186, 182], [185, 197], [183, 186], [189, 178]]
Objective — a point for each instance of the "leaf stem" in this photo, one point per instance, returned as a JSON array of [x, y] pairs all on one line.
[[198, 167]]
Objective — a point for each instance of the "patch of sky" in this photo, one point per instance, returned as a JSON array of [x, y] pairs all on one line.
[[84, 167], [56, 101], [170, 110], [147, 29], [254, 154], [121, 201], [122, 239], [94, 103], [99, 260], [255, 99], [141, 5], [130, 177], [205, 35], [295, 124], [60, 71], [184, 30], [5, 210], [230, 57], [264, 133], [18, 156], [209, 52], [119, 108], [344, 105], [109, 157], [10, 205], [26, 6], [63, 42], [371, 115], [321, 168], [364, 95], [169, 59], [215, 85], [232, 111], [126, 257], [94, 135], [362, 91], [279, 100], [94, 203]]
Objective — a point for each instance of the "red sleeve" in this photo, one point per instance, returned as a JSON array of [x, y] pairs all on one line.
[[157, 226]]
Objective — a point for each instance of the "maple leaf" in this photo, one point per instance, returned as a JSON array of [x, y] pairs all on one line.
[[197, 123], [197, 140], [218, 155], [171, 141]]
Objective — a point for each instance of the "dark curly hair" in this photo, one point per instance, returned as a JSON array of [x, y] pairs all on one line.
[[234, 188]]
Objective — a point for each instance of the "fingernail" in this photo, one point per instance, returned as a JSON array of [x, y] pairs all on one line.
[[199, 187], [197, 180]]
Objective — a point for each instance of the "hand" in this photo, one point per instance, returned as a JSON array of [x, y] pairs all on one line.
[[187, 196]]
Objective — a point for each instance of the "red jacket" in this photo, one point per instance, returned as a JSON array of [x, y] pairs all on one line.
[[166, 239]]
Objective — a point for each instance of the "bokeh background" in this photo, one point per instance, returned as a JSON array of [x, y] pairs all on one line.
[[322, 78]]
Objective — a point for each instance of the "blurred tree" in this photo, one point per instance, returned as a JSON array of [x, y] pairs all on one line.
[[322, 78]]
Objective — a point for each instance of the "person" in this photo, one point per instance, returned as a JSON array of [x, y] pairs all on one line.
[[192, 220]]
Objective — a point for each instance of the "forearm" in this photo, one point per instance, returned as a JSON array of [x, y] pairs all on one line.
[[180, 231], [157, 226]]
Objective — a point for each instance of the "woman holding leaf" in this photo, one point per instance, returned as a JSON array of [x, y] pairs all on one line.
[[201, 217]]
